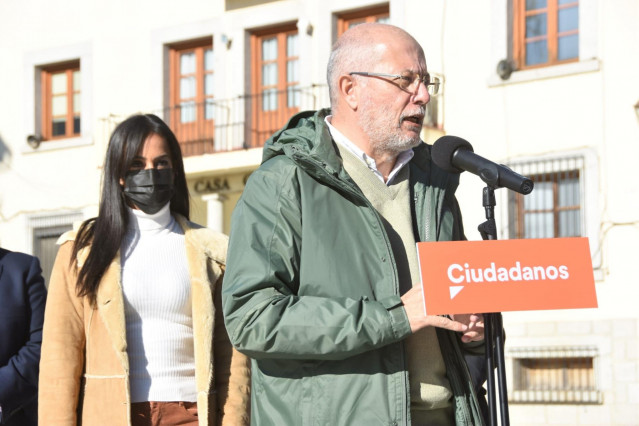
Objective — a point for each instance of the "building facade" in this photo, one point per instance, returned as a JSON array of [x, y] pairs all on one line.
[[547, 87]]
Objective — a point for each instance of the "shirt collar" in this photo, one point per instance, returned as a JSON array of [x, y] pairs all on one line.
[[402, 159]]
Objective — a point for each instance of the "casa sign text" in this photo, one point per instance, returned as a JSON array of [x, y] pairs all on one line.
[[212, 184]]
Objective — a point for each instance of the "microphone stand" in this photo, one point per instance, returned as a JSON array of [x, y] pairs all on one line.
[[494, 333]]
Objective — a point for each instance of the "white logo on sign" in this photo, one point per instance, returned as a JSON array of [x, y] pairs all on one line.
[[454, 290]]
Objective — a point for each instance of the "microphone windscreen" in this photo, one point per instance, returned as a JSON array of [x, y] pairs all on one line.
[[443, 150]]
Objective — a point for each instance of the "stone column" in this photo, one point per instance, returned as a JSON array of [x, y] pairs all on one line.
[[214, 211]]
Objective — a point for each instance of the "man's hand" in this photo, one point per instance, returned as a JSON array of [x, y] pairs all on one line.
[[471, 325], [475, 323], [414, 305]]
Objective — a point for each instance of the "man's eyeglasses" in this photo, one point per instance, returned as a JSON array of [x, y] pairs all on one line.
[[408, 80]]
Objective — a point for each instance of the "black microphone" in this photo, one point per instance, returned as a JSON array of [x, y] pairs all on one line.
[[455, 155]]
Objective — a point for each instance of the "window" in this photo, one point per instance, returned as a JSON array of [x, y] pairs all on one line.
[[348, 20], [554, 208], [192, 108], [60, 101], [545, 32], [38, 102], [276, 94], [45, 249], [554, 375], [44, 232], [434, 118]]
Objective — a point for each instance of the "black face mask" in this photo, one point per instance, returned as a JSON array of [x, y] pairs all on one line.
[[149, 189]]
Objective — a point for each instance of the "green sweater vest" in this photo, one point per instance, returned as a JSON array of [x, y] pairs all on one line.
[[429, 387]]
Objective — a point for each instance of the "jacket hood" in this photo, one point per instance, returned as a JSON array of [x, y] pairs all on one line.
[[307, 142], [306, 135]]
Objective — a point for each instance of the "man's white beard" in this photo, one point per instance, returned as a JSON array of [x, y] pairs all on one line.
[[384, 134]]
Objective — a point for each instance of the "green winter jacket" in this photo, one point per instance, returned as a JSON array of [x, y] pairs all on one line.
[[311, 292]]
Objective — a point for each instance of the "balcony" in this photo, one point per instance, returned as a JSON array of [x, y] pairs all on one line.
[[243, 122], [246, 121]]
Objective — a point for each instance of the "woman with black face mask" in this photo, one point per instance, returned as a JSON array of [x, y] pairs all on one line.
[[133, 331]]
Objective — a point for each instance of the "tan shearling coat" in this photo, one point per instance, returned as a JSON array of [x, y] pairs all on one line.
[[84, 364]]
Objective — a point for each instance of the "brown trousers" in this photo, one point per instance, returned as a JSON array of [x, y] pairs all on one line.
[[164, 413]]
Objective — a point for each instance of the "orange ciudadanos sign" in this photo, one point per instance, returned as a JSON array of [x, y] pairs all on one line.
[[506, 275]]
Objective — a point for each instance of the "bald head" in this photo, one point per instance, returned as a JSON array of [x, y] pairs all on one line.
[[360, 48]]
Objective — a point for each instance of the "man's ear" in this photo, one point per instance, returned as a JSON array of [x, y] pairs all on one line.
[[349, 91]]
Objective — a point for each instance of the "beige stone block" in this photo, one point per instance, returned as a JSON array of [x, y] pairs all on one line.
[[594, 415], [515, 330], [619, 349], [633, 394], [562, 414], [546, 329], [632, 350], [619, 394], [604, 372], [602, 328], [625, 372], [527, 414], [626, 414], [574, 328], [625, 328]]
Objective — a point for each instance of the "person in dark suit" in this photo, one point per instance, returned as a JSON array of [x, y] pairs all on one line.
[[22, 300]]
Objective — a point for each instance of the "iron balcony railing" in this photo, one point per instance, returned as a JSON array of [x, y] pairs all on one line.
[[247, 121]]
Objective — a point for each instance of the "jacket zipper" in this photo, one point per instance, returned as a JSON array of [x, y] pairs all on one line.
[[329, 178]]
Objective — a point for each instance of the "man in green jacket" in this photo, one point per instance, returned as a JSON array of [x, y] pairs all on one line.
[[322, 287]]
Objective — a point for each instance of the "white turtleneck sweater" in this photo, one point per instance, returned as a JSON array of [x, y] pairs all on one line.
[[157, 304]]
